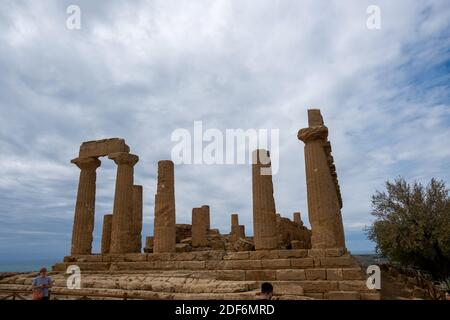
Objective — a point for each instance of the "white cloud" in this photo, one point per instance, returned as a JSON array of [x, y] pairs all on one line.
[[140, 71]]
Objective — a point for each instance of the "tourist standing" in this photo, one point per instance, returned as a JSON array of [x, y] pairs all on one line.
[[41, 286]]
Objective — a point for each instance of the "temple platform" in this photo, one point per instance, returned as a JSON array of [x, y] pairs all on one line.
[[216, 274]]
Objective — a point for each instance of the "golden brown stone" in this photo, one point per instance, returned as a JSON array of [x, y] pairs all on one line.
[[106, 233], [164, 225], [83, 224], [121, 231], [264, 213], [323, 195]]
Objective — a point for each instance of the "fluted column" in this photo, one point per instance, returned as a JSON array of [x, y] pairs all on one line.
[[137, 219], [121, 230], [106, 233], [164, 224], [323, 197], [264, 218], [83, 224]]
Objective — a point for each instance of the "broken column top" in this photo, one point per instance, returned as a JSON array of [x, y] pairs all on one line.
[[234, 219], [314, 118], [101, 148], [261, 157], [166, 176]]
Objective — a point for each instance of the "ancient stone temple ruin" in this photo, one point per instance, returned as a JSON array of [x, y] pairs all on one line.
[[196, 261]]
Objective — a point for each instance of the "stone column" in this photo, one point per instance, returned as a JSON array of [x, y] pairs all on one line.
[[121, 230], [264, 217], [106, 233], [237, 231], [137, 219], [207, 216], [234, 219], [298, 218], [148, 245], [199, 227], [323, 197], [164, 224], [83, 224]]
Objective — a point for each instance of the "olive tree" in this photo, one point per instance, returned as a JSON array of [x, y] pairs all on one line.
[[412, 225]]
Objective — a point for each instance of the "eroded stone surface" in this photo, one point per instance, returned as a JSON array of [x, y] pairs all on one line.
[[164, 225]]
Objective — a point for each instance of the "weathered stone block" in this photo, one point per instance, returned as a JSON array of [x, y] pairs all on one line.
[[302, 263], [162, 256], [243, 245], [314, 295], [231, 275], [316, 274], [316, 262], [260, 275], [93, 266], [242, 264], [183, 247], [353, 285], [290, 274], [69, 259], [353, 274], [88, 258], [335, 252], [134, 257], [319, 286], [101, 148], [342, 295], [344, 261], [281, 288], [192, 265], [294, 253], [335, 274], [168, 265], [370, 296], [215, 255], [122, 266], [60, 266], [316, 253], [263, 254], [215, 265], [276, 264], [113, 258], [243, 255], [185, 256]]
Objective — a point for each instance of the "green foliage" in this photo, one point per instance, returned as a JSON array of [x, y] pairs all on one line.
[[446, 285], [412, 225]]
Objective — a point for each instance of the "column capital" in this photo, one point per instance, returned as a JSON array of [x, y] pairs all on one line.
[[124, 158], [90, 163], [313, 133]]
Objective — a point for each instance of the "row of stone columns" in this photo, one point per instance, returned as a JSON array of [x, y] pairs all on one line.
[[122, 230]]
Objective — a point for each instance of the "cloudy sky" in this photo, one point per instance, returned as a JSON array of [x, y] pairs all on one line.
[[142, 69]]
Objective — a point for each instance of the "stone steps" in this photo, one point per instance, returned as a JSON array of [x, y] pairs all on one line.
[[110, 293], [295, 274], [164, 283], [229, 264], [206, 255]]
